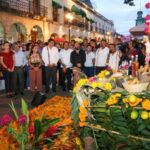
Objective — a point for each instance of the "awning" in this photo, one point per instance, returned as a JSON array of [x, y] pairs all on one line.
[[56, 5], [78, 11], [138, 30], [66, 9]]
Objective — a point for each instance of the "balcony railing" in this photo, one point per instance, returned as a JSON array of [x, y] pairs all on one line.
[[28, 9], [78, 24]]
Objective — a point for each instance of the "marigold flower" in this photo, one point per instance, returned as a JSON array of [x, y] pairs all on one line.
[[146, 104], [108, 86], [136, 103], [111, 101], [85, 103], [82, 124]]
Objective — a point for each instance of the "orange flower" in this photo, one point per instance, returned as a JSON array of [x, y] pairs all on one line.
[[82, 124], [111, 101], [146, 104], [136, 103], [85, 103]]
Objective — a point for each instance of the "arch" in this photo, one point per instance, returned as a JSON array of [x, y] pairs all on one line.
[[36, 33], [17, 32], [2, 31], [54, 35]]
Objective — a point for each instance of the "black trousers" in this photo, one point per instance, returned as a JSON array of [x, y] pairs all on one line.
[[99, 69], [8, 77], [19, 79], [51, 77], [64, 76]]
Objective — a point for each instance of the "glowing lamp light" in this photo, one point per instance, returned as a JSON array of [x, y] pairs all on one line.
[[69, 17], [147, 5]]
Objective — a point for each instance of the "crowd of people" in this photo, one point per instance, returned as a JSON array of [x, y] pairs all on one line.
[[35, 65]]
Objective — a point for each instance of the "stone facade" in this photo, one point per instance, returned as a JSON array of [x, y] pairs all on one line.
[[24, 24]]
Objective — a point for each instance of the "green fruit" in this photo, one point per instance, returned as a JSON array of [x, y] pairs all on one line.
[[149, 114], [134, 114], [132, 99], [144, 115]]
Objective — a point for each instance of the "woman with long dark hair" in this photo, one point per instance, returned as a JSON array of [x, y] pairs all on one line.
[[35, 73], [7, 61]]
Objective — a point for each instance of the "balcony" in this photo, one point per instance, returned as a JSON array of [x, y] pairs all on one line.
[[25, 9], [78, 24]]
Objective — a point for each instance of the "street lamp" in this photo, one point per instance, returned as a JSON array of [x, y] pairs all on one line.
[[108, 34], [69, 18]]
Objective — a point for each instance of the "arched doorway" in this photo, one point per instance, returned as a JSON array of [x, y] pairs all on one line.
[[36, 33], [17, 32], [2, 32], [54, 35]]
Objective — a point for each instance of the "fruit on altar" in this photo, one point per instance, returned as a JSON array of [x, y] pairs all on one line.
[[134, 114], [144, 115], [132, 99]]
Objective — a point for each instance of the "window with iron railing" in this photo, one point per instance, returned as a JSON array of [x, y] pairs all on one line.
[[55, 14], [22, 8]]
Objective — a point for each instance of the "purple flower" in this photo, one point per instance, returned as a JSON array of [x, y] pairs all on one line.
[[5, 120], [22, 119]]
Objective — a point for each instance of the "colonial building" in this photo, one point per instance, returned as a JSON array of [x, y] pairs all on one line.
[[40, 19]]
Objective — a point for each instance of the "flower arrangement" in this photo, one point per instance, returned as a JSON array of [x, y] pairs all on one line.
[[98, 81], [114, 119], [60, 132], [27, 134]]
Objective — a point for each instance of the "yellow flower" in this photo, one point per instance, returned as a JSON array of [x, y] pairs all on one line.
[[96, 84], [111, 101], [108, 86], [125, 100], [103, 74], [82, 82], [78, 142]]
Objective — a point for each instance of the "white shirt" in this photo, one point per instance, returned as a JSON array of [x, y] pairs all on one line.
[[20, 58], [64, 56], [113, 62], [89, 59], [101, 57], [50, 58], [147, 44]]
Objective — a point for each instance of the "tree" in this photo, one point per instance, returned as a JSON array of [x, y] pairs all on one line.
[[129, 2]]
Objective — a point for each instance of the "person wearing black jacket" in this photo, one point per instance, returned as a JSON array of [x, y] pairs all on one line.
[[77, 59]]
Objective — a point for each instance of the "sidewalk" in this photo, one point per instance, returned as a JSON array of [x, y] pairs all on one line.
[[4, 107]]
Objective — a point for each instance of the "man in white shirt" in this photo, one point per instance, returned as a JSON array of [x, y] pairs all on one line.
[[50, 57], [66, 64], [114, 58], [89, 63], [20, 62], [101, 57]]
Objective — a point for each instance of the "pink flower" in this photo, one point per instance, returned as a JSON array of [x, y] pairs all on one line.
[[92, 79], [22, 119], [5, 120], [31, 129], [51, 130]]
